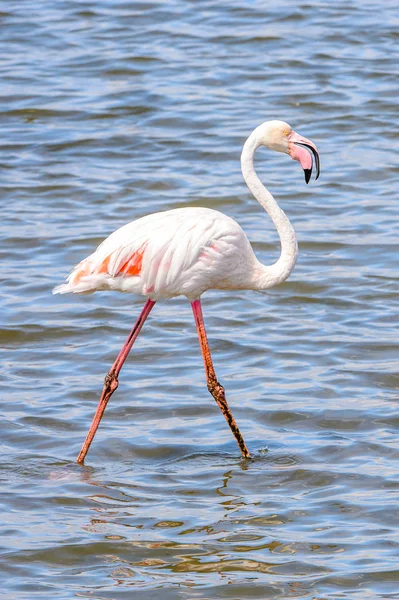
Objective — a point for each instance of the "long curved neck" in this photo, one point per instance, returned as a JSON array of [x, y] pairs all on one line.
[[267, 276]]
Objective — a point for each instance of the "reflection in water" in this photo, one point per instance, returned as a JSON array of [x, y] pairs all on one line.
[[150, 544]]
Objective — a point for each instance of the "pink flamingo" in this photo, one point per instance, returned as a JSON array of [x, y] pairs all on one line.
[[187, 251]]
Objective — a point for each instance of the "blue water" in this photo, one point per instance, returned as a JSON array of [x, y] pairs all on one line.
[[112, 110]]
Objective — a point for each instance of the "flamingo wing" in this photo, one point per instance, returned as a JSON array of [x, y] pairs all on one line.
[[181, 251]]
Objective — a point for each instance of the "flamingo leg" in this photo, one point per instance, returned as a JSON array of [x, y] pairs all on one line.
[[111, 379], [215, 388]]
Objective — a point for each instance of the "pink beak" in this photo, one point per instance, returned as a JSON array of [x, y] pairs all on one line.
[[303, 150]]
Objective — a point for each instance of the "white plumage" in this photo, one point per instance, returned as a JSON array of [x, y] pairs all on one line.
[[181, 251]]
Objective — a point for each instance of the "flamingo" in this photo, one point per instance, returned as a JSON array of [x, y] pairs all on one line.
[[186, 251]]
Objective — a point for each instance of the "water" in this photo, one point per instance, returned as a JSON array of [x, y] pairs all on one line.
[[110, 110]]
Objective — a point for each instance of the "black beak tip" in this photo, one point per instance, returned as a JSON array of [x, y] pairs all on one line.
[[308, 172]]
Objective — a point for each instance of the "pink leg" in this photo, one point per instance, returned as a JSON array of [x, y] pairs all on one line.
[[214, 386], [111, 379]]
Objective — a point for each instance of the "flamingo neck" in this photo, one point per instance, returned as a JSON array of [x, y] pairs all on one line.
[[268, 276]]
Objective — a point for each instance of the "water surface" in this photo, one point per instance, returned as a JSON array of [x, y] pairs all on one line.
[[109, 111]]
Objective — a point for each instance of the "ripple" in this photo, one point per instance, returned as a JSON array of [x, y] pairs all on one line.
[[114, 110]]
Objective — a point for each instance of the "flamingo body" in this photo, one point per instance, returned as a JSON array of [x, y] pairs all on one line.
[[184, 251]]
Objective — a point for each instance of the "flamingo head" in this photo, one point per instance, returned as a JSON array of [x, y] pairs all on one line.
[[279, 136]]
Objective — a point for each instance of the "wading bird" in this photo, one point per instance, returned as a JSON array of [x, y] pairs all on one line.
[[187, 251]]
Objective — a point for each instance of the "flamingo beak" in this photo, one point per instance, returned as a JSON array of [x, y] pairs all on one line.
[[304, 151]]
